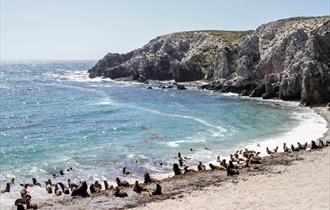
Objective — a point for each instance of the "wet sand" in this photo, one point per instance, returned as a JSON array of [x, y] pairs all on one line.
[[297, 180]]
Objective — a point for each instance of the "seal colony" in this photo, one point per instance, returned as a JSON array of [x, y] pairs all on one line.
[[243, 160]]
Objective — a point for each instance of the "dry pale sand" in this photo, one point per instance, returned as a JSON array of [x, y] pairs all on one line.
[[303, 185]]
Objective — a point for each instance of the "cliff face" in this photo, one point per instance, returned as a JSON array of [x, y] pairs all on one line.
[[287, 59]]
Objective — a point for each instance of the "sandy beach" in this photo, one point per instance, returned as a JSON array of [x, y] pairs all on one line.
[[305, 184]]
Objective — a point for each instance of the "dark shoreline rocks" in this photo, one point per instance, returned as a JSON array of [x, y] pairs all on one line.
[[287, 59]]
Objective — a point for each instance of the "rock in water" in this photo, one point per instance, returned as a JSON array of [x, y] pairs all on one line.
[[287, 59]]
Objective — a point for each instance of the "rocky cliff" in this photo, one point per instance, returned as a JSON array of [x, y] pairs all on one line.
[[287, 59]]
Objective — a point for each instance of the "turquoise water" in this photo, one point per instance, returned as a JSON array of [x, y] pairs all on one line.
[[53, 117]]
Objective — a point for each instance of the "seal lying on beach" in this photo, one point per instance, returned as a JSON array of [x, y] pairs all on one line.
[[294, 149], [7, 188], [158, 190], [223, 163], [81, 190], [139, 187], [231, 172], [29, 204], [302, 146], [188, 171], [120, 193], [176, 169], [122, 183], [72, 185], [213, 167], [57, 191], [201, 166], [49, 189]]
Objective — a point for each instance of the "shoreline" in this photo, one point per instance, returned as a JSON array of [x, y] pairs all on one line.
[[278, 103], [186, 189]]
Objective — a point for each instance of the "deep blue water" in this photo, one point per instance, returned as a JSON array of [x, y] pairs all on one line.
[[53, 117]]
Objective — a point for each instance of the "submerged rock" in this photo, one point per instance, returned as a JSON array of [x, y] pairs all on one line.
[[287, 59]]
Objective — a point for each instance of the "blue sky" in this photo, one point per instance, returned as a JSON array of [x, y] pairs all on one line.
[[88, 29]]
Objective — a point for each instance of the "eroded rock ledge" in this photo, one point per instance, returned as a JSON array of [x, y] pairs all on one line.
[[287, 59]]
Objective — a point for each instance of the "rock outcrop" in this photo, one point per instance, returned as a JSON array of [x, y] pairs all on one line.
[[287, 59]]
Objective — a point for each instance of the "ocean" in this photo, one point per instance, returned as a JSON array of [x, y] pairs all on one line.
[[54, 117]]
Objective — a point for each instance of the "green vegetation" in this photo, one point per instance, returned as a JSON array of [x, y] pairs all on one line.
[[229, 36]]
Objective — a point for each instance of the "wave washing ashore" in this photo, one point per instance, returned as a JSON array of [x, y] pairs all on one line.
[[60, 119]]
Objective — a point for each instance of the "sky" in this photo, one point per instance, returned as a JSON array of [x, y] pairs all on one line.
[[88, 29]]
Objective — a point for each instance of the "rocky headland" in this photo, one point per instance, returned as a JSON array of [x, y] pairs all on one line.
[[287, 59]]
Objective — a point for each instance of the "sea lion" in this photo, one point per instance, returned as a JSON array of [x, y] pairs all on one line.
[[231, 165], [24, 191], [313, 145], [119, 193], [201, 166], [49, 182], [285, 148], [97, 186], [20, 206], [35, 183], [65, 189], [7, 188], [300, 146], [321, 144], [158, 190], [269, 152], [12, 181], [106, 185], [231, 172], [30, 205], [218, 159], [147, 178], [294, 149], [49, 189], [176, 169], [275, 150], [188, 171], [92, 189], [223, 163], [213, 167], [125, 171], [72, 185], [61, 172], [19, 201], [81, 190], [57, 191], [137, 187], [123, 183]]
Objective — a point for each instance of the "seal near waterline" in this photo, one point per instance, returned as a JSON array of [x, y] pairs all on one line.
[[276, 149], [158, 190], [125, 171], [49, 189], [57, 191], [269, 152], [285, 148], [213, 167], [302, 146], [201, 166], [176, 169], [92, 189], [321, 143], [148, 179], [119, 193], [223, 163], [35, 183], [61, 173], [122, 183], [97, 186], [313, 145], [106, 185], [81, 190], [188, 171], [12, 181], [137, 187], [218, 159], [20, 206], [72, 185], [65, 189], [7, 188], [49, 182], [294, 149]]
